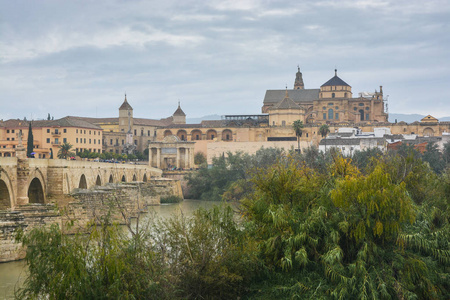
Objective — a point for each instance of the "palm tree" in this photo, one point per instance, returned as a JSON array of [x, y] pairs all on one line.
[[64, 151], [298, 126], [324, 130]]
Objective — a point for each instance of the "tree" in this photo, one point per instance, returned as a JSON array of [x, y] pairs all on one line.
[[199, 158], [30, 141], [324, 130], [64, 151], [298, 128]]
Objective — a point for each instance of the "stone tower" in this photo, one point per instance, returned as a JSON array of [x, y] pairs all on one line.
[[298, 84], [179, 117], [125, 116]]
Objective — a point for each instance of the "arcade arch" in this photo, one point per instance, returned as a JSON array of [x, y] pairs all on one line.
[[227, 135], [211, 134], [182, 135], [196, 135], [167, 133]]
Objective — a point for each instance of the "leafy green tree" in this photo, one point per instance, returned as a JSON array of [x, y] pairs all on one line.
[[64, 151], [199, 158], [298, 128], [30, 141], [433, 157]]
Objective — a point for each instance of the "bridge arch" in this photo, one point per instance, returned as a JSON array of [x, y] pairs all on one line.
[[36, 187], [98, 181], [111, 178], [36, 191], [6, 191], [82, 183], [123, 179], [5, 195], [144, 179], [134, 177]]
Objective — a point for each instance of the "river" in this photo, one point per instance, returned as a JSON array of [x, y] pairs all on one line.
[[12, 273]]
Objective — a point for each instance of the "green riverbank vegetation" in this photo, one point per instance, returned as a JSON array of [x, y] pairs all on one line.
[[309, 226]]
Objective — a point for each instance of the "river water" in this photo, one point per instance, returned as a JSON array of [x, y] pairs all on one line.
[[12, 274]]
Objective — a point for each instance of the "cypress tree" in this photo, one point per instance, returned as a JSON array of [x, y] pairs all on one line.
[[30, 141]]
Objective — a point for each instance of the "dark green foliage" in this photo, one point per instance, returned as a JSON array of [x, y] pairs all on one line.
[[199, 158], [171, 199], [433, 156], [65, 151], [30, 141], [211, 183]]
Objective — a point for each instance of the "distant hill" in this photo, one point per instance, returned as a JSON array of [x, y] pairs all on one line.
[[199, 120], [411, 118]]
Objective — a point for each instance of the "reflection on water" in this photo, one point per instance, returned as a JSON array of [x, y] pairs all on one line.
[[12, 273]]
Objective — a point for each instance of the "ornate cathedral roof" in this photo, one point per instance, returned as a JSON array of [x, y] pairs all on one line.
[[335, 81]]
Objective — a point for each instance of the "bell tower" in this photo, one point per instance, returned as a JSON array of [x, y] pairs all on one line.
[[298, 84]]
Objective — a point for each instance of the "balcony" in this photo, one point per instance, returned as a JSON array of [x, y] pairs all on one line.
[[56, 133], [56, 143]]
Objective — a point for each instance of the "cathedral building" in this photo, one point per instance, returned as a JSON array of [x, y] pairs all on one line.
[[333, 102]]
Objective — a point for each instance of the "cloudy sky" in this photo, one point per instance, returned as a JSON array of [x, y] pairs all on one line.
[[216, 57]]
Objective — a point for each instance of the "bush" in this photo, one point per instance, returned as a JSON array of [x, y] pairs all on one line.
[[171, 199]]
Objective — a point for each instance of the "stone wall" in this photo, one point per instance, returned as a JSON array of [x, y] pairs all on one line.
[[124, 200]]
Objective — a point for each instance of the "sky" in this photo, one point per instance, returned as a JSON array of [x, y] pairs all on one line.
[[79, 58]]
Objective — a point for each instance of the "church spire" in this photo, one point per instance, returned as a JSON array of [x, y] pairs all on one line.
[[298, 84]]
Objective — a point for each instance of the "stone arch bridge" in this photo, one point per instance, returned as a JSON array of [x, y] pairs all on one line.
[[24, 181]]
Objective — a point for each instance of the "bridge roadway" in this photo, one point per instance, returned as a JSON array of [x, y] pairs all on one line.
[[24, 180]]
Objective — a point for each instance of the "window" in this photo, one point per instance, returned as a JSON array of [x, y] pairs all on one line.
[[330, 104], [332, 95], [7, 139], [345, 95], [64, 140], [12, 139], [95, 132], [84, 131], [56, 141], [85, 141], [89, 141], [95, 141], [142, 132], [307, 134], [110, 141], [367, 108], [354, 108], [324, 108], [12, 131], [330, 114], [48, 130], [65, 130], [337, 107], [148, 133], [77, 130], [99, 141], [283, 123], [337, 116], [76, 140], [123, 142], [7, 131], [324, 116], [135, 132], [361, 104], [89, 132], [367, 116], [117, 142], [56, 131], [135, 142], [48, 141]]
